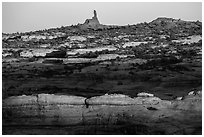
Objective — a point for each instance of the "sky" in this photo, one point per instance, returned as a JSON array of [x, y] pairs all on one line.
[[31, 16]]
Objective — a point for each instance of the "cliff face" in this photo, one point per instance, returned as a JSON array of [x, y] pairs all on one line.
[[115, 114]]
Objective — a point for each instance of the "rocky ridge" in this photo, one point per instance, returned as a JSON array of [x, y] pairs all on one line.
[[64, 110]]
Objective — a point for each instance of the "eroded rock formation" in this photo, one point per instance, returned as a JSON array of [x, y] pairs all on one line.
[[92, 23], [114, 111]]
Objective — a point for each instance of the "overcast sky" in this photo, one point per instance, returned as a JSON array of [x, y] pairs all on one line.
[[22, 17]]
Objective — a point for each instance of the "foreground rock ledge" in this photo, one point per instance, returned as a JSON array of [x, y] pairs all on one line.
[[145, 115]]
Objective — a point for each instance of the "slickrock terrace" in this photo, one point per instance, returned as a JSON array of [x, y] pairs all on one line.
[[106, 114]]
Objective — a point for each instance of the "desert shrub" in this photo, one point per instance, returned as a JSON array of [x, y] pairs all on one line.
[[120, 83]]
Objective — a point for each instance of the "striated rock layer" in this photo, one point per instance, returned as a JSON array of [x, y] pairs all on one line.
[[115, 114]]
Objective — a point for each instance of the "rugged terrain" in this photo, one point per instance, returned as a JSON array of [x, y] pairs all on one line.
[[107, 114], [162, 57]]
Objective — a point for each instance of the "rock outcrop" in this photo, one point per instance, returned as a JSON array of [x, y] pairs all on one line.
[[170, 23], [36, 52], [92, 23], [115, 111]]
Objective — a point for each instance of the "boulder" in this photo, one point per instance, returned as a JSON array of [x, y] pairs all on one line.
[[192, 93], [77, 38], [152, 102], [191, 102], [56, 54], [179, 98], [143, 94], [133, 44], [36, 52]]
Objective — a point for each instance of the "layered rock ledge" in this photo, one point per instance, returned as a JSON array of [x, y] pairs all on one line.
[[146, 114]]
